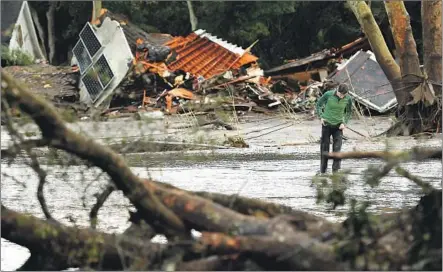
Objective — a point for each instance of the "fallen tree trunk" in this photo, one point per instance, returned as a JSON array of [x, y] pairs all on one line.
[[314, 225], [57, 247], [408, 240]]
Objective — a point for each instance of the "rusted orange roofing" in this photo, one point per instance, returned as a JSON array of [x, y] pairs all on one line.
[[200, 53]]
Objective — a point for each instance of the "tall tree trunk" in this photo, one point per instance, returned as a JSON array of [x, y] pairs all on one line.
[[418, 110], [96, 8], [50, 15], [432, 44], [192, 17], [403, 37], [404, 44], [375, 38], [40, 31]]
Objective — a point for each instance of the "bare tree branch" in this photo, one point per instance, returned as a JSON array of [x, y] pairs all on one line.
[[100, 201], [35, 165], [415, 154], [26, 144], [427, 188], [71, 246], [287, 252], [60, 136]]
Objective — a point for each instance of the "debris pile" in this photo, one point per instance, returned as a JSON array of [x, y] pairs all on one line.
[[157, 72], [201, 72]]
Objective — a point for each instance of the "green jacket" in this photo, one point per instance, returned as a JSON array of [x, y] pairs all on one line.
[[334, 110]]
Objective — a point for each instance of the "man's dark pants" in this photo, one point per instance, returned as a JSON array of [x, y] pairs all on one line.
[[326, 132]]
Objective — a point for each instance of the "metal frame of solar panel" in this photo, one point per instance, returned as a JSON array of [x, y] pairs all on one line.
[[98, 78], [104, 71], [82, 55], [96, 75], [92, 84], [92, 43]]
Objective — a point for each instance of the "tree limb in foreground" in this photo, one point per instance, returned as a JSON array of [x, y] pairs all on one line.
[[415, 154], [60, 136], [35, 165], [314, 225], [61, 247], [193, 209], [101, 198]]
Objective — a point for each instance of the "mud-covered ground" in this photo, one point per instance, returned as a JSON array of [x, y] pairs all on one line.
[[45, 80]]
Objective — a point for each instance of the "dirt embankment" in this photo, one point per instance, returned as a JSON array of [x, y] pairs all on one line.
[[55, 83]]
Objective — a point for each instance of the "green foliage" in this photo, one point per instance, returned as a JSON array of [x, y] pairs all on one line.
[[331, 189], [285, 29], [69, 115], [236, 141], [15, 57]]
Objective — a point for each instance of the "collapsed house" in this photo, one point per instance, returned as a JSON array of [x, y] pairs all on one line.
[[119, 64], [203, 54], [369, 85], [17, 29]]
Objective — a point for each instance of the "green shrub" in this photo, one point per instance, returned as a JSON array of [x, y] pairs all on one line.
[[15, 57]]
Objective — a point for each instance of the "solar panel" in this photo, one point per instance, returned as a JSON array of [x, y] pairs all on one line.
[[82, 56], [95, 68], [104, 71], [92, 83], [90, 39]]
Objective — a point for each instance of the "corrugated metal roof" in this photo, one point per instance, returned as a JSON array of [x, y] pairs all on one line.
[[201, 53], [231, 47]]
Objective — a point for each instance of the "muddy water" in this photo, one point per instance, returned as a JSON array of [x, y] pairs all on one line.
[[277, 174]]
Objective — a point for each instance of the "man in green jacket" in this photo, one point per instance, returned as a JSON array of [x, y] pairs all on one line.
[[334, 109]]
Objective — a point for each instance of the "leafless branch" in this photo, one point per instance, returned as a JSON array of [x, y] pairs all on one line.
[[427, 188], [374, 175], [60, 136], [415, 154], [101, 198], [35, 165], [26, 144], [14, 179]]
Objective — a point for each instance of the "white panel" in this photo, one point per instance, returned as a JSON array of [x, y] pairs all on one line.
[[24, 37], [114, 56]]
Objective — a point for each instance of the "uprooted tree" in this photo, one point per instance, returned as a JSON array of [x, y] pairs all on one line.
[[418, 93], [237, 233]]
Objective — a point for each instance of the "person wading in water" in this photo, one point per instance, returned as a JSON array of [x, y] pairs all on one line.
[[334, 109]]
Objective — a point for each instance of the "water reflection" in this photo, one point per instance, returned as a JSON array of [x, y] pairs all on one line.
[[278, 175]]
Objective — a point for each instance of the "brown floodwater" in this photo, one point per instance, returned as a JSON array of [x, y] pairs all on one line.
[[277, 174]]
